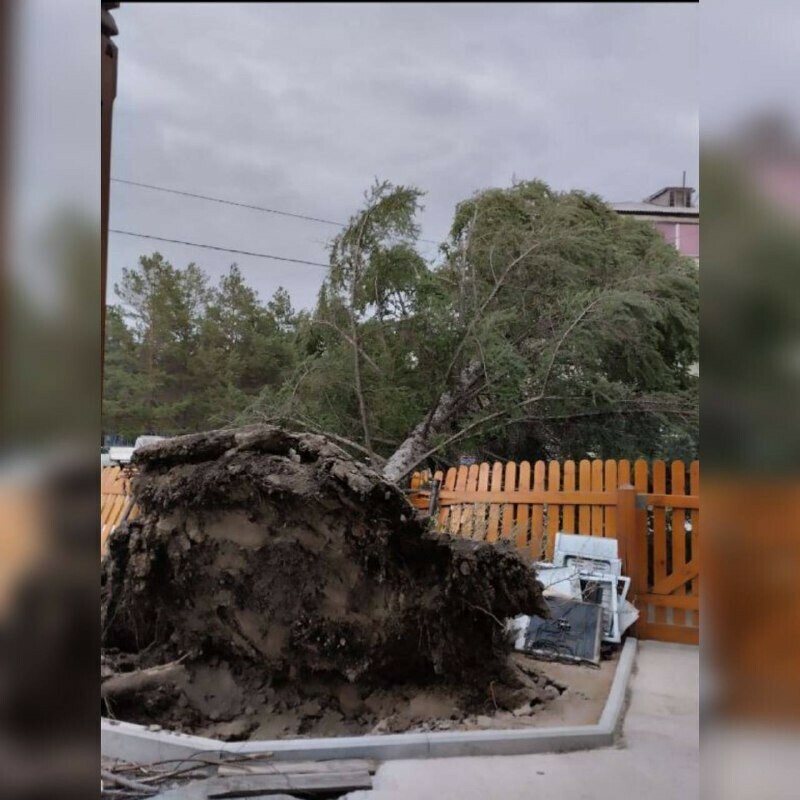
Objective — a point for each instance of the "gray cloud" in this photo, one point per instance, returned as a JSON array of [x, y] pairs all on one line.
[[300, 106]]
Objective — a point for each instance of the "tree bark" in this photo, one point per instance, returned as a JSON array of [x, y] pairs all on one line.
[[451, 404], [142, 679], [417, 443], [362, 406]]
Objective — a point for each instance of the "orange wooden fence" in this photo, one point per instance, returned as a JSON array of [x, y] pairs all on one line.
[[651, 508], [114, 502]]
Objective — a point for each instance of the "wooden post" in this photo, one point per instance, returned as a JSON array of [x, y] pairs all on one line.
[[632, 543], [108, 91], [627, 533]]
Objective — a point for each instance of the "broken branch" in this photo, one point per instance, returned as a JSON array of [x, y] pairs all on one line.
[[142, 679]]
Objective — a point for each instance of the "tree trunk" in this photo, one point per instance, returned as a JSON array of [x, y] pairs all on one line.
[[362, 406], [143, 679], [418, 442]]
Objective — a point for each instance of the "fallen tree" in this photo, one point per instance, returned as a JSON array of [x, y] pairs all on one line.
[[550, 327], [280, 556]]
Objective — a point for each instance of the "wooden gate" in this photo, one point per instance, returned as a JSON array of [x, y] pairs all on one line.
[[653, 513], [668, 521]]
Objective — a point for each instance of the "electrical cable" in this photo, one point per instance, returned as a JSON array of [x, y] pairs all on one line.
[[219, 248], [252, 207]]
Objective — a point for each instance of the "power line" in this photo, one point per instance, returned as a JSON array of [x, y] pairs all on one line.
[[238, 204], [228, 202], [221, 249]]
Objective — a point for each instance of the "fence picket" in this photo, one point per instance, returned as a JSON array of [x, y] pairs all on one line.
[[597, 486], [537, 513], [468, 511], [449, 485], [611, 483], [521, 539], [623, 472], [678, 533], [494, 509], [553, 509], [693, 587], [659, 535], [509, 485], [569, 486], [456, 511], [585, 485], [641, 481], [481, 509]]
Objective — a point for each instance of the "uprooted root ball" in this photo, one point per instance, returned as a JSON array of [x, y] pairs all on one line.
[[302, 572]]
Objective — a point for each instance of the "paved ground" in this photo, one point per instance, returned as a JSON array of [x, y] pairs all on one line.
[[657, 759]]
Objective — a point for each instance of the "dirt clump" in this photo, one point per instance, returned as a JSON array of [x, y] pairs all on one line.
[[290, 590]]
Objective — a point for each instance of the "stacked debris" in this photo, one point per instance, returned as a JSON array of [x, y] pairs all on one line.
[[230, 775], [587, 595], [270, 567]]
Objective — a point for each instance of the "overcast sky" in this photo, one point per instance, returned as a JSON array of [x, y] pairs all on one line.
[[298, 107]]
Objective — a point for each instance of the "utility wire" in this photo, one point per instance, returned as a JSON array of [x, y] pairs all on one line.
[[221, 249], [227, 202], [238, 204]]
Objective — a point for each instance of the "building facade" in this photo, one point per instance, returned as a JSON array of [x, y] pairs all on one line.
[[672, 213]]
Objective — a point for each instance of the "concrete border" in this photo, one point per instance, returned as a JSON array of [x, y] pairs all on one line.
[[135, 743]]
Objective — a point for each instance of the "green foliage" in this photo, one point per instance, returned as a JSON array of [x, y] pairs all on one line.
[[583, 323], [554, 293], [599, 315], [182, 357], [378, 296]]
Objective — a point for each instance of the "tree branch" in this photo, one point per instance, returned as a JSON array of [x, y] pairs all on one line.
[[507, 411], [142, 679], [600, 412], [522, 404], [355, 265], [350, 341], [482, 421], [571, 327], [383, 440], [127, 783], [476, 318]]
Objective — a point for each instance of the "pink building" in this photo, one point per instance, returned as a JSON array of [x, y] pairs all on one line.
[[671, 213]]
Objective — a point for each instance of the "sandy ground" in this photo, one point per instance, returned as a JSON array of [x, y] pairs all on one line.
[[578, 700], [581, 703], [658, 757]]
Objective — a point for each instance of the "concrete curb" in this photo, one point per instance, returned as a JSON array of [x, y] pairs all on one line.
[[135, 743]]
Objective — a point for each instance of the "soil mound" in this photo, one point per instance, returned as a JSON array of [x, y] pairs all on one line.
[[268, 569]]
